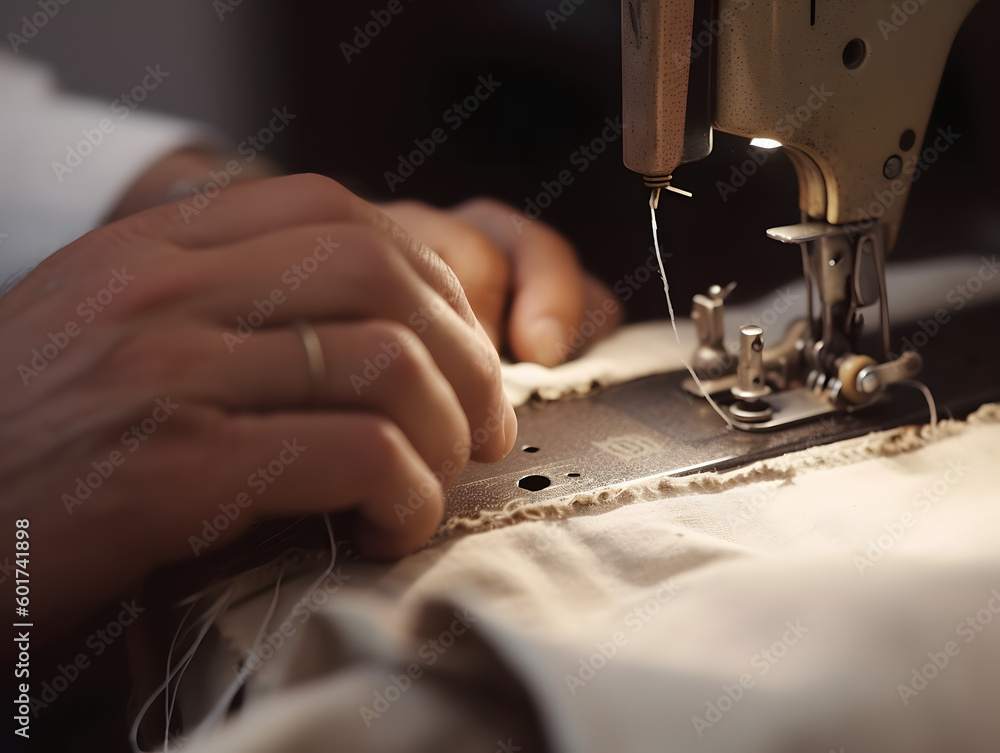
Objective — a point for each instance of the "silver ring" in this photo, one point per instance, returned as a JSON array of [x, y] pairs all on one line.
[[317, 363]]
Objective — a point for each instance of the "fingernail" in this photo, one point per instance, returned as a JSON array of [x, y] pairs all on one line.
[[509, 426], [547, 341]]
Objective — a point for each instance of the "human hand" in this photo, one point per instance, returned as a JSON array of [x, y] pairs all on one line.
[[193, 167], [529, 263], [152, 382]]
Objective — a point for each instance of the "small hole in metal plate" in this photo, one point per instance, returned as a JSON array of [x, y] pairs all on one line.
[[573, 475], [855, 53], [529, 448], [534, 483]]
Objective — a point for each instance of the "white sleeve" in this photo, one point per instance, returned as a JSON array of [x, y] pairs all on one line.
[[65, 162]]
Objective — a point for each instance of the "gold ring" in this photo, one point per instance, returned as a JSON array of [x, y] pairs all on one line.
[[317, 364]]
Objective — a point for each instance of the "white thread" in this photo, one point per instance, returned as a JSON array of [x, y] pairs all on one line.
[[168, 704], [333, 558], [225, 700], [670, 309], [208, 618], [931, 405], [222, 705], [206, 621]]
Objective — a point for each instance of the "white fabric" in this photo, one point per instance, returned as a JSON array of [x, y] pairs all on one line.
[[841, 598], [43, 208]]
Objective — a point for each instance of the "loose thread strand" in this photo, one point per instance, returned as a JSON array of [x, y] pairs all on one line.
[[673, 319]]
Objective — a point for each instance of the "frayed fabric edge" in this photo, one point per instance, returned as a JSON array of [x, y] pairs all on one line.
[[783, 468]]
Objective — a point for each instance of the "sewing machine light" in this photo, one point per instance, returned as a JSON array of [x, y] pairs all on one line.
[[765, 143]]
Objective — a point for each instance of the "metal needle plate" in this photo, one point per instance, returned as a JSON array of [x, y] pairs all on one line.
[[650, 427]]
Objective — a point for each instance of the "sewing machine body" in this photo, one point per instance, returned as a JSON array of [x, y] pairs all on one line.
[[846, 89]]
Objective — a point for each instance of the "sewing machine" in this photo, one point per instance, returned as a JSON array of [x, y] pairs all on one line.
[[846, 89]]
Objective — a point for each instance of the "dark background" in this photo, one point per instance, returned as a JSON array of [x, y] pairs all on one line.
[[558, 87]]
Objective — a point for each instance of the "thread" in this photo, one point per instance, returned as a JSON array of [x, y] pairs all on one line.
[[208, 618], [670, 309], [224, 702], [169, 687], [931, 405]]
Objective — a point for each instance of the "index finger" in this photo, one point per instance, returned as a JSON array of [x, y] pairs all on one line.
[[256, 208]]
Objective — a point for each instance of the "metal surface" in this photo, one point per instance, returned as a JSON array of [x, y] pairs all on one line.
[[849, 274], [750, 377], [784, 408], [711, 360], [651, 427], [816, 354], [878, 376]]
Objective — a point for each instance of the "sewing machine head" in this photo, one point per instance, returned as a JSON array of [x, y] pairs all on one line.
[[846, 89]]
